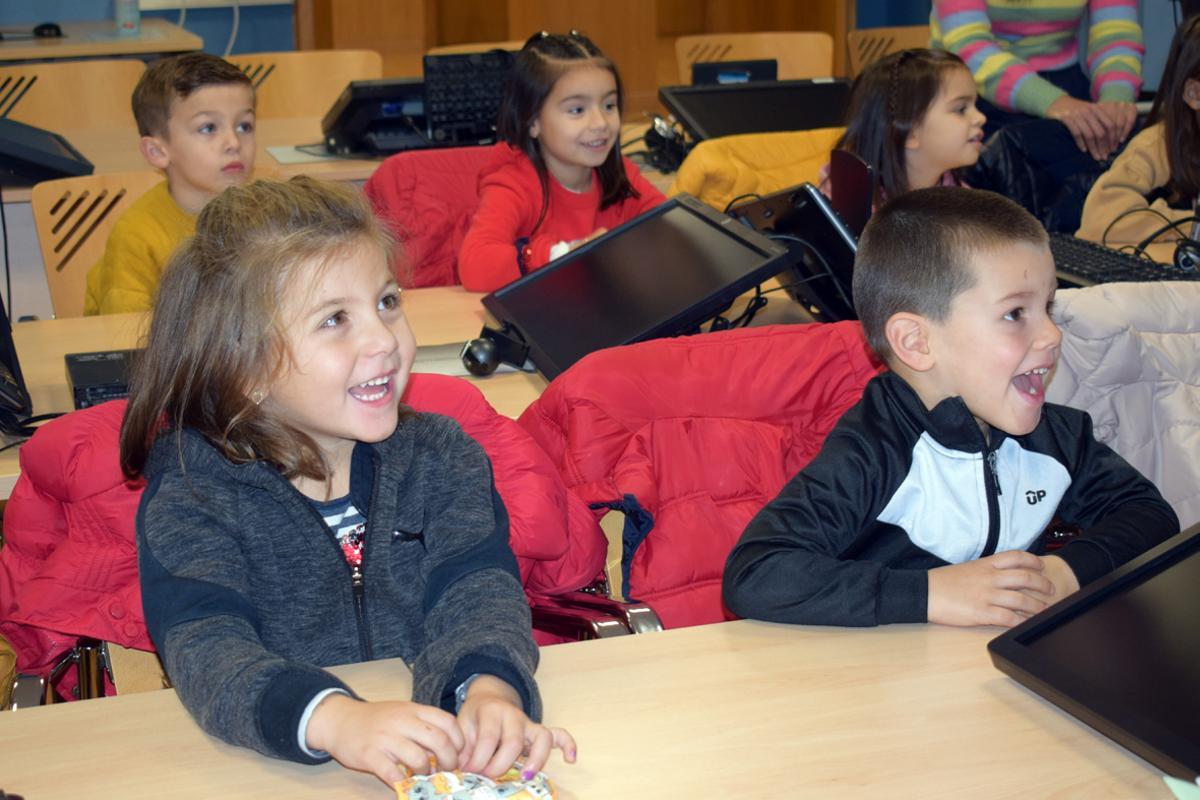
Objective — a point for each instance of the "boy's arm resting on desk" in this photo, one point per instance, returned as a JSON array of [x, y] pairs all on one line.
[[1121, 512], [789, 564], [194, 586], [477, 619]]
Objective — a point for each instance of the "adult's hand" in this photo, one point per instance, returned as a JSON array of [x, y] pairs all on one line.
[[1122, 115], [1093, 129]]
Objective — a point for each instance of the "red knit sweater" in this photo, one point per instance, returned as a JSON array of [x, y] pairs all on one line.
[[510, 198]]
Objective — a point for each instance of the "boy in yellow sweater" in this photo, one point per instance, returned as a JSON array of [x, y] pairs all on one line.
[[195, 115]]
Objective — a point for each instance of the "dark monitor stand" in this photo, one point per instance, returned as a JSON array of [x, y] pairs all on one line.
[[15, 405]]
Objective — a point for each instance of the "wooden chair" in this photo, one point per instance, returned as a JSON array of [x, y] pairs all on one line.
[[871, 44], [799, 54], [474, 47], [305, 83], [73, 217], [62, 95]]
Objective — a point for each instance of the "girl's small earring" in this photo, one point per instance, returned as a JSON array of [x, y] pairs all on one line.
[[257, 396]]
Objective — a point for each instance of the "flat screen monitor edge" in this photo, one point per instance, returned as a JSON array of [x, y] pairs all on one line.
[[663, 273]]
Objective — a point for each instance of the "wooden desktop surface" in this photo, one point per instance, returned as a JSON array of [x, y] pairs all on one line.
[[738, 709], [99, 39]]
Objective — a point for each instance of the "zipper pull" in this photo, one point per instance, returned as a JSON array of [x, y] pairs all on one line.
[[991, 460], [356, 576]]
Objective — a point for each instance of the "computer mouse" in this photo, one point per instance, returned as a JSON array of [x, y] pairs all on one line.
[[48, 30], [479, 356]]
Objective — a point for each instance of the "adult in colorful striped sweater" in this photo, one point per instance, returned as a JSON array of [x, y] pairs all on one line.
[[1024, 55]]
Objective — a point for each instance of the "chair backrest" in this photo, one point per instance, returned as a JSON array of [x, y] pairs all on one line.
[[1130, 357], [474, 47], [690, 437], [427, 198], [304, 83], [871, 44], [61, 95], [799, 54], [73, 217]]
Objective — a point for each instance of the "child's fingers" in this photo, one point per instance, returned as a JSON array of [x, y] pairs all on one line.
[[487, 737], [1018, 602], [564, 741], [383, 767], [1023, 580], [539, 751], [511, 743], [445, 722]]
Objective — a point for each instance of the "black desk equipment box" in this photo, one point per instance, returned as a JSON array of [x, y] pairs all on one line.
[[1123, 655], [663, 273], [29, 155], [713, 110]]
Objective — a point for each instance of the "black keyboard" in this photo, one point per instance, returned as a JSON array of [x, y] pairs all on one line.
[[462, 95], [1083, 263]]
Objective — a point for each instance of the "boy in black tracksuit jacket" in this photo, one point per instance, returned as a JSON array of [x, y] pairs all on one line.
[[928, 494]]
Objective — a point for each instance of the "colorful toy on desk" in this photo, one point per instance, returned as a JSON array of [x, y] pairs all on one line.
[[458, 785]]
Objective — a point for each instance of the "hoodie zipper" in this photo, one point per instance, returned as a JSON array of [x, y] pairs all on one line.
[[991, 482]]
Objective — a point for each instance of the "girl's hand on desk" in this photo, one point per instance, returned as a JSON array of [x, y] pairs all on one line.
[[596, 234], [998, 590], [390, 740], [498, 732]]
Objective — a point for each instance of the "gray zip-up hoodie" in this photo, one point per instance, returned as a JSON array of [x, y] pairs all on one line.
[[247, 594]]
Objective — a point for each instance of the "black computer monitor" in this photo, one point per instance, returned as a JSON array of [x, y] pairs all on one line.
[[15, 406], [663, 273], [29, 155], [376, 118], [709, 111], [757, 69], [821, 248], [1123, 655]]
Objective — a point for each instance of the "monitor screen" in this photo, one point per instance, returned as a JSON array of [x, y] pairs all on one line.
[[31, 154], [716, 110], [661, 274], [822, 247], [1124, 656]]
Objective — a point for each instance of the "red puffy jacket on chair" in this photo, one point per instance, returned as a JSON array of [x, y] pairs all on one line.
[[691, 437], [427, 198], [68, 567]]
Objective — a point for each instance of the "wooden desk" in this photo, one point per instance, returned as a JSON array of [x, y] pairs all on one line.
[[438, 316], [739, 709], [99, 39]]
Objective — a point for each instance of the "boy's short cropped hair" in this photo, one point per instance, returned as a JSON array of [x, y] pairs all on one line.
[[916, 253], [175, 78]]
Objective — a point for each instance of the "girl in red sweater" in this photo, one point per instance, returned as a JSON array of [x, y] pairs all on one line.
[[557, 178]]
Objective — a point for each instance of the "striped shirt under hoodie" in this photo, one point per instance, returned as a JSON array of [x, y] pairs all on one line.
[[1006, 43]]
